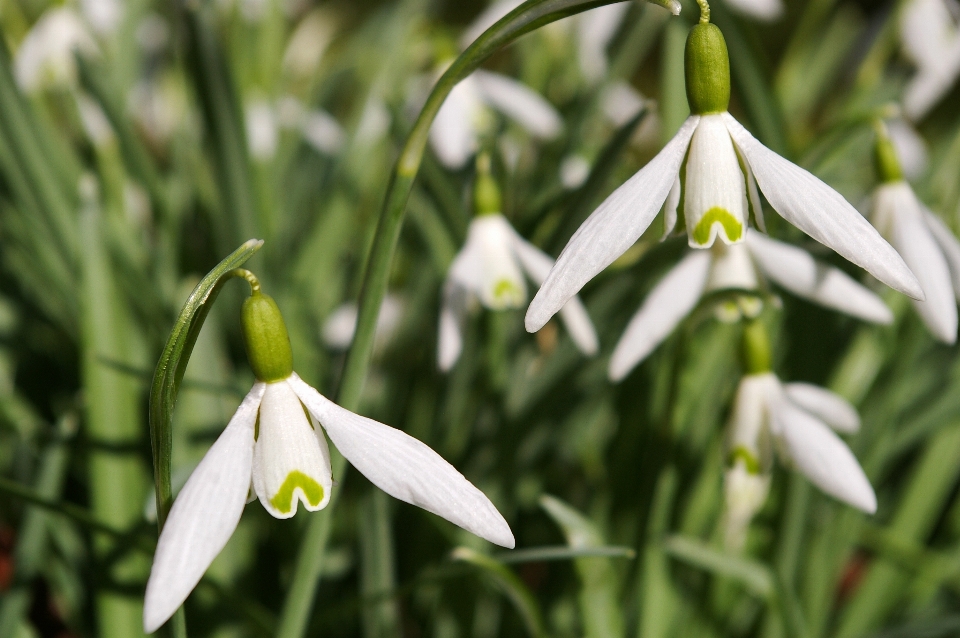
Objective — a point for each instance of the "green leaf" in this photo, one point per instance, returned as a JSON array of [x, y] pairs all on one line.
[[755, 576], [511, 585]]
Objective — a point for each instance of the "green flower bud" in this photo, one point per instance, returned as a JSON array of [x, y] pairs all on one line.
[[707, 69], [486, 193], [265, 338], [885, 157], [756, 347]]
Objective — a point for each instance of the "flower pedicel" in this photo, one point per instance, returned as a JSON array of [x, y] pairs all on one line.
[[275, 442], [708, 176]]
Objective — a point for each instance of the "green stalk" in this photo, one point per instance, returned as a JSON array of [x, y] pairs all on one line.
[[524, 19], [112, 401], [377, 577]]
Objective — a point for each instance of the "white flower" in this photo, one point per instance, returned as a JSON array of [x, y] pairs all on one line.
[[766, 10], [929, 249], [738, 267], [275, 446], [489, 268], [263, 134], [341, 324], [46, 56], [103, 15], [465, 114], [792, 418], [910, 147], [932, 40], [717, 199]]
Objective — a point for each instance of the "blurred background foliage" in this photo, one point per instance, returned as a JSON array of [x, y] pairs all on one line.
[[143, 141]]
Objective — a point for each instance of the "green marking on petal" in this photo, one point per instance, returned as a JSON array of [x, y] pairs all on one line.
[[283, 500], [731, 225], [505, 289], [749, 460]]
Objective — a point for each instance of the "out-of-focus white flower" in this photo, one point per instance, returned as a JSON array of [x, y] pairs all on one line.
[[275, 443], [320, 129], [374, 121], [159, 106], [340, 326], [931, 40], [724, 165], [94, 120], [574, 171], [263, 135], [490, 268], [793, 419], [738, 267], [911, 148], [309, 42], [924, 241], [45, 57], [465, 115], [103, 15], [767, 10], [620, 102]]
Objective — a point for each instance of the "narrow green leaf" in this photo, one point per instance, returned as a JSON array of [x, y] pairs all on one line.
[[508, 582], [754, 575]]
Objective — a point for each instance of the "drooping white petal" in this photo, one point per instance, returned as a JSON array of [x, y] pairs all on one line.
[[731, 267], [899, 216], [263, 134], [667, 304], [595, 29], [931, 39], [750, 418], [574, 315], [821, 212], [797, 271], [501, 284], [406, 468], [322, 131], [289, 462], [612, 228], [832, 408], [910, 147], [46, 54], [744, 492], [752, 193], [948, 244], [453, 313], [574, 171], [670, 209], [822, 457], [204, 515], [714, 192], [760, 9], [453, 132], [520, 103], [620, 102]]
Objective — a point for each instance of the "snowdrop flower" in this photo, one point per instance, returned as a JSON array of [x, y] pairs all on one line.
[[741, 266], [724, 164], [45, 57], [932, 40], [490, 268], [766, 10], [341, 324], [927, 245], [465, 115], [275, 444], [795, 419]]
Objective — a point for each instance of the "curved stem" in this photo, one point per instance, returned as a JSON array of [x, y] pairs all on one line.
[[704, 11], [246, 275]]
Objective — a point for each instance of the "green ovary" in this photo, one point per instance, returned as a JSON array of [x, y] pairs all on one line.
[[283, 500], [731, 225], [749, 460]]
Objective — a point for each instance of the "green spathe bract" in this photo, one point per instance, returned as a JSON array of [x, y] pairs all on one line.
[[756, 347], [885, 156], [707, 70], [265, 338]]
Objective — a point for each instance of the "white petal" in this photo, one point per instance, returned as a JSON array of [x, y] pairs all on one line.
[[574, 315], [670, 209], [263, 133], [821, 212], [910, 147], [405, 468], [519, 102], [667, 304], [612, 228], [715, 189], [453, 132], [822, 457], [595, 29], [797, 271], [620, 102], [731, 267], [931, 39], [753, 194], [290, 463], [490, 240], [744, 494], [322, 131], [760, 9], [899, 213], [339, 326], [203, 517], [453, 314], [750, 416], [832, 408], [948, 244]]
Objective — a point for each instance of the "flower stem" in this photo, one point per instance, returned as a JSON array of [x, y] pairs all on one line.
[[704, 11]]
